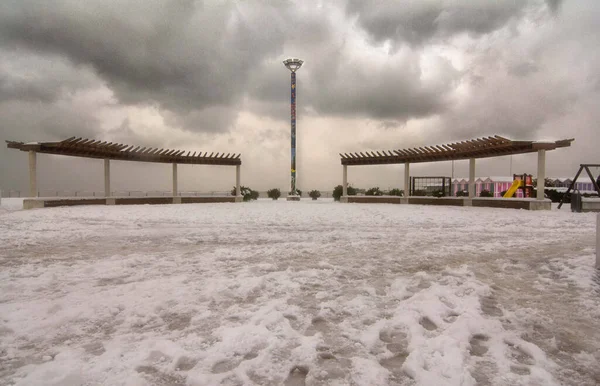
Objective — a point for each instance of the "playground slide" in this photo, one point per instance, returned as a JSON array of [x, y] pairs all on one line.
[[513, 188]]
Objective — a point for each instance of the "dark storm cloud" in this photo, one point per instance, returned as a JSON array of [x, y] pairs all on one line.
[[34, 121], [554, 5], [183, 55], [416, 22], [30, 77], [523, 69], [390, 93]]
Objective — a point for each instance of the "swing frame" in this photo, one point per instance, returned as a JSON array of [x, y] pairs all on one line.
[[587, 169]]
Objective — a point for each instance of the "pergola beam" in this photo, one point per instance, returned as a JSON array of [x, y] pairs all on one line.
[[90, 148], [472, 149]]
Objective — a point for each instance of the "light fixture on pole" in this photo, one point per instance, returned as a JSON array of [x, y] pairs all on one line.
[[293, 65]]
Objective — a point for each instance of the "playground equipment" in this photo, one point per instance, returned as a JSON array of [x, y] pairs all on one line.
[[524, 182], [589, 173]]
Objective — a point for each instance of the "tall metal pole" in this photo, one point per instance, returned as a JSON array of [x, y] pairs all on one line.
[[293, 65], [293, 127]]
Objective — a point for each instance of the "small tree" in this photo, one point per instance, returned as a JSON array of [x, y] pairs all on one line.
[[396, 192], [486, 193], [314, 194], [338, 191], [374, 192], [246, 192], [274, 193]]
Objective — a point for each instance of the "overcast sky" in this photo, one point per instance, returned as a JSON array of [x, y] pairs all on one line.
[[208, 75]]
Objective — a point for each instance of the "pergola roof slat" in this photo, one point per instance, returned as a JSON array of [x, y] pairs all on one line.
[[90, 148], [493, 146]]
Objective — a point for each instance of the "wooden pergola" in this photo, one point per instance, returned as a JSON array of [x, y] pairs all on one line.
[[486, 147], [90, 148]]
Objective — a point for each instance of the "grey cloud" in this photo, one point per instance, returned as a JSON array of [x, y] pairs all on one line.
[[34, 121], [416, 22], [523, 69], [393, 91], [548, 78], [183, 55], [554, 5], [208, 120], [30, 77]]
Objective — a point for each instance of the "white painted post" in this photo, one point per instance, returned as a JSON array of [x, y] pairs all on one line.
[[107, 178], [32, 174], [345, 181], [598, 241], [541, 174], [406, 179], [174, 179], [471, 177], [238, 178]]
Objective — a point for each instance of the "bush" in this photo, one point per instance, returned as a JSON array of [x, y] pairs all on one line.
[[462, 193], [556, 196], [314, 194], [486, 193], [338, 190], [396, 192], [438, 193], [274, 193], [374, 192], [419, 193], [246, 192]]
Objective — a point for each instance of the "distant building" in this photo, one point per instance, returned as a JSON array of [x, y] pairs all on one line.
[[495, 185], [583, 184]]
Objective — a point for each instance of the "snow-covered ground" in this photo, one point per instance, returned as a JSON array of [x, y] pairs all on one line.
[[315, 293]]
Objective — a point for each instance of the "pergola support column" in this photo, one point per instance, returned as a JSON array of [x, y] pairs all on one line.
[[345, 181], [238, 179], [471, 177], [406, 179], [32, 174], [106, 178], [174, 179], [541, 174]]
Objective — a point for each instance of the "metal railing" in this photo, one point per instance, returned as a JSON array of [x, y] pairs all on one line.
[[133, 193]]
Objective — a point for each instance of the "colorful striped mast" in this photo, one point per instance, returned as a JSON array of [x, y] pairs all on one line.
[[293, 65]]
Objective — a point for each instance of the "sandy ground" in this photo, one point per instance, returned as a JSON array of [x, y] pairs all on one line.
[[315, 293]]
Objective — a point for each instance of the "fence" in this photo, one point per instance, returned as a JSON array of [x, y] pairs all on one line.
[[131, 193], [431, 186]]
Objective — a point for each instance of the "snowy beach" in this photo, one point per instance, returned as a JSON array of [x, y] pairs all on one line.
[[315, 293]]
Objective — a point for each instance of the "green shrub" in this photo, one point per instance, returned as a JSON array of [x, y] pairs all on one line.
[[396, 192], [438, 193], [246, 192], [338, 191], [274, 193], [374, 192], [314, 194], [486, 193], [419, 193], [462, 193]]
